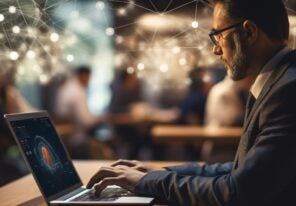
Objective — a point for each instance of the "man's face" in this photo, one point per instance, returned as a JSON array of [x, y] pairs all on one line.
[[231, 47], [84, 79]]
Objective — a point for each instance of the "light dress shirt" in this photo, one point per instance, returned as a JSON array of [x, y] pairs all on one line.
[[266, 72], [71, 104]]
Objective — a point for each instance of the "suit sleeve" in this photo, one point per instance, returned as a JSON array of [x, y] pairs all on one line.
[[202, 170], [267, 169]]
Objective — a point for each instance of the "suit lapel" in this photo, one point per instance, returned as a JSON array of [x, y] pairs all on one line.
[[246, 137], [250, 102], [278, 72]]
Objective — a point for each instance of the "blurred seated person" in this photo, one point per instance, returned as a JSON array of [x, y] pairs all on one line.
[[192, 111], [226, 103], [128, 114], [126, 90], [192, 108], [127, 101], [11, 101], [71, 104], [225, 107]]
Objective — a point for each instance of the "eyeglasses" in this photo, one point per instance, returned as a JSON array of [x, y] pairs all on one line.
[[215, 35]]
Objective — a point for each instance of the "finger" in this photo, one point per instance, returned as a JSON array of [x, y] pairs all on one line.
[[106, 182], [140, 168], [102, 173], [128, 163], [135, 164]]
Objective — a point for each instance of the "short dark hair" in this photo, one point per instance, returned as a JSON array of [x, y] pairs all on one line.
[[270, 16], [83, 69]]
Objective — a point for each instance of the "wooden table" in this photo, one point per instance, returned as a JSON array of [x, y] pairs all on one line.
[[194, 134], [24, 191]]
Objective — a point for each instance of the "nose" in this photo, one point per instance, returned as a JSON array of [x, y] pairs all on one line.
[[217, 50]]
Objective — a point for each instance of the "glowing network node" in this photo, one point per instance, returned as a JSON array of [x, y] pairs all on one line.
[[30, 30], [110, 31], [12, 9], [194, 24], [206, 78], [141, 66], [2, 17], [182, 61], [176, 50], [46, 48], [130, 70], [54, 37], [13, 55], [31, 54], [16, 29], [119, 39], [100, 5], [131, 3], [70, 57], [164, 68], [43, 79], [121, 12]]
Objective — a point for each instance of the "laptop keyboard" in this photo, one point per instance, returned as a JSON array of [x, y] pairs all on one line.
[[114, 192], [108, 194]]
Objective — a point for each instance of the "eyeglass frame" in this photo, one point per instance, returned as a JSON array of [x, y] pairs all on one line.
[[216, 32]]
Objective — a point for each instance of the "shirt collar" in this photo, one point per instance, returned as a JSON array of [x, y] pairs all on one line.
[[266, 72]]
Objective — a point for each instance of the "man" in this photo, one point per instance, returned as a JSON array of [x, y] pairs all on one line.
[[71, 104], [226, 103], [250, 37]]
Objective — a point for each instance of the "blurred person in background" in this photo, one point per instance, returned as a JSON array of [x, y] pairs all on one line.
[[11, 101], [127, 112], [71, 107], [192, 108], [225, 107], [226, 103], [71, 103], [192, 111], [126, 91]]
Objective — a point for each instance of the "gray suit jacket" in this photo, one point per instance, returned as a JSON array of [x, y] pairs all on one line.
[[264, 170]]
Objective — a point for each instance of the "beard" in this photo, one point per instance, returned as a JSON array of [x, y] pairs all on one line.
[[240, 63]]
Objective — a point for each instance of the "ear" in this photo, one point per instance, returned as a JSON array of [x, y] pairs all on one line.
[[251, 30]]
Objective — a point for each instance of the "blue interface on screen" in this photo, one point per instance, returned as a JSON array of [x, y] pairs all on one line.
[[45, 154]]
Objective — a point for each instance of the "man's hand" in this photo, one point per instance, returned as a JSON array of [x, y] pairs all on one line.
[[137, 165], [121, 175]]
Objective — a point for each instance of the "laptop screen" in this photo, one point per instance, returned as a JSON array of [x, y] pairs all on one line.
[[45, 154]]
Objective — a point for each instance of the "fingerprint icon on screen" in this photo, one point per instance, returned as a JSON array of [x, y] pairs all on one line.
[[47, 156]]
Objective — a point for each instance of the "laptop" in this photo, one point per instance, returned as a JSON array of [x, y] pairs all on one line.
[[52, 167]]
